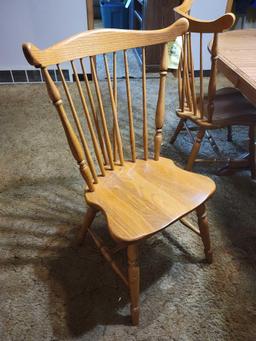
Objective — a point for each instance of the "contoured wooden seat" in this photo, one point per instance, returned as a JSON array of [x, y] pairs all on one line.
[[229, 106], [142, 198], [217, 109], [138, 196]]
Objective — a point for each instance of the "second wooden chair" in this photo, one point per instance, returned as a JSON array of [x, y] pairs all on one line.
[[223, 108]]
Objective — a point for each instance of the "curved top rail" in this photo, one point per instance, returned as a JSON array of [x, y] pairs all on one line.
[[205, 26], [108, 40]]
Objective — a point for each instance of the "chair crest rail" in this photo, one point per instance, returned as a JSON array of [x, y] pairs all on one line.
[[108, 40]]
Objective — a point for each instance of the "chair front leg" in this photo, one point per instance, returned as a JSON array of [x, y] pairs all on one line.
[[252, 151], [88, 220], [195, 149], [134, 281], [204, 231], [178, 130]]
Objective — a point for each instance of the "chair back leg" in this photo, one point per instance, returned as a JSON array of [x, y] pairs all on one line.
[[178, 130], [204, 231], [195, 149]]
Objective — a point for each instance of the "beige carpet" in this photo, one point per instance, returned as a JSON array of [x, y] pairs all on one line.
[[51, 290]]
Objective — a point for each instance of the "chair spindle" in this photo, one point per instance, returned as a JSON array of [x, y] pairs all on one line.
[[212, 82], [201, 77], [79, 127], [180, 84], [114, 112], [129, 102], [89, 121], [183, 58], [192, 74], [144, 99], [115, 96], [102, 114], [186, 72], [94, 112]]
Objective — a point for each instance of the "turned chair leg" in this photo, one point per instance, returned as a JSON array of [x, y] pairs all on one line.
[[178, 130], [229, 134], [252, 155], [204, 231], [134, 282], [195, 149], [88, 219]]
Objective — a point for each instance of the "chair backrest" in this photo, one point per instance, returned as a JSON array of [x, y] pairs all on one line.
[[229, 6], [191, 100], [106, 140]]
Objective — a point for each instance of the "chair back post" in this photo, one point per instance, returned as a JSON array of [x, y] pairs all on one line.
[[73, 141], [160, 109], [196, 104], [213, 76]]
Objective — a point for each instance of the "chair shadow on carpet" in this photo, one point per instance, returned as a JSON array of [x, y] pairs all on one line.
[[45, 216], [83, 292]]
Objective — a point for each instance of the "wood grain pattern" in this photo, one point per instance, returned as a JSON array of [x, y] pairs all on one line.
[[108, 40], [236, 59], [148, 187], [207, 26]]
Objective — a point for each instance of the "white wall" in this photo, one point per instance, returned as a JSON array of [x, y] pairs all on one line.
[[41, 22], [206, 10]]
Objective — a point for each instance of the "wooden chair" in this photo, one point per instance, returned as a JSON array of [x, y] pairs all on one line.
[[224, 108], [139, 197]]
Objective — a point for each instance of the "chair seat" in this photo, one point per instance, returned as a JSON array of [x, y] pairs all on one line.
[[230, 108], [142, 198]]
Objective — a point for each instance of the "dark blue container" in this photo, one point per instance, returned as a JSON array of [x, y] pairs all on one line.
[[253, 4], [114, 14], [241, 6]]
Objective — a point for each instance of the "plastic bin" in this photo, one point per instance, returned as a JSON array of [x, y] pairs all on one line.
[[114, 14], [253, 4], [241, 6]]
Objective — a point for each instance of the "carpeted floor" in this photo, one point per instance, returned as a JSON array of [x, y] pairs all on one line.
[[51, 290]]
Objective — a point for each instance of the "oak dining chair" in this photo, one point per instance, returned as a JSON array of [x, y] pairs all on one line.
[[214, 109], [138, 196]]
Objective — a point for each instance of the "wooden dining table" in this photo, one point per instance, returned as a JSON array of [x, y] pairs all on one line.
[[237, 61]]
